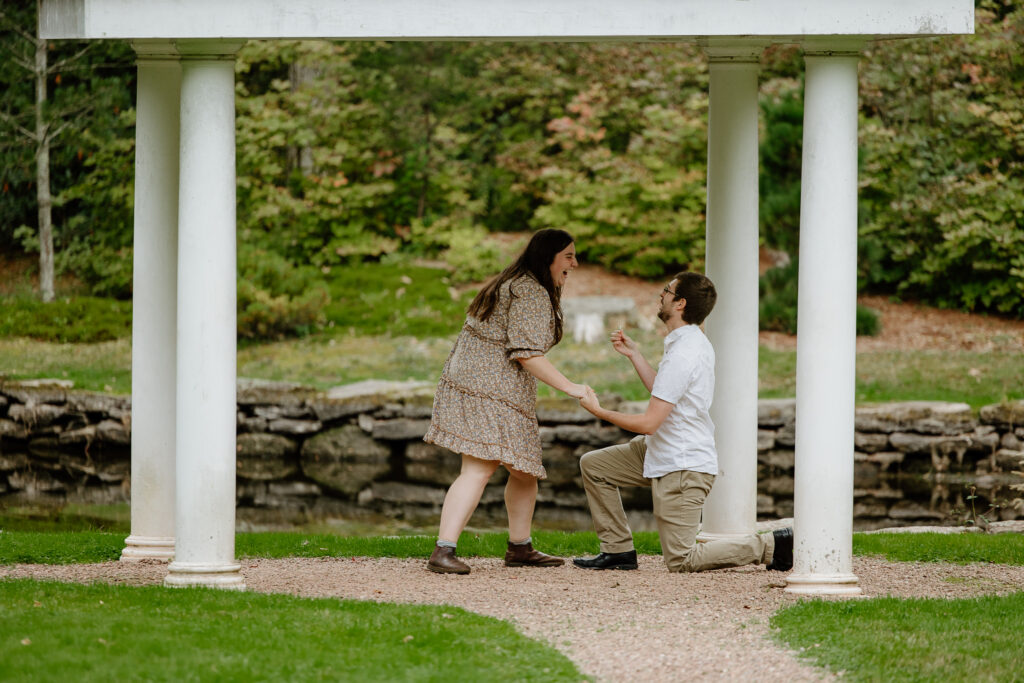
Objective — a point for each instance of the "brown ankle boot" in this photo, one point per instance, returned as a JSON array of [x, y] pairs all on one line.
[[443, 561], [525, 556]]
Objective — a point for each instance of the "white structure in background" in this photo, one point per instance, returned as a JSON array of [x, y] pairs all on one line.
[[591, 317], [187, 199]]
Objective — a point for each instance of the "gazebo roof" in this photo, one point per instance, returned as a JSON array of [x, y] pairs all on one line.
[[644, 20]]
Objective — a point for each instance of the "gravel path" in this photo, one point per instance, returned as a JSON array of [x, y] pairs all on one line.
[[646, 624]]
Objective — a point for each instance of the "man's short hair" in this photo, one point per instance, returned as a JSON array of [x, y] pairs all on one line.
[[699, 293]]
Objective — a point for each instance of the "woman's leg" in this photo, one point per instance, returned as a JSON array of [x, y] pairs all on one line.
[[520, 499], [463, 496]]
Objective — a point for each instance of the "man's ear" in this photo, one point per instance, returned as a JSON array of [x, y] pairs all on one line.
[[680, 305]]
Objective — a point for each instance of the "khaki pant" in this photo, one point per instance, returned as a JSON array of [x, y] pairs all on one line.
[[678, 500]]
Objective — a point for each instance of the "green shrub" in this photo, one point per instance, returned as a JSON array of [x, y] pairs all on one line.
[[275, 298], [777, 310], [70, 320]]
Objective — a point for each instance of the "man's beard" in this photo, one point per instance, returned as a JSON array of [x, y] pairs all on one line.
[[663, 315]]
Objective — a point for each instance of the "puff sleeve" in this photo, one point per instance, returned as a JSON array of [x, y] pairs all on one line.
[[530, 320]]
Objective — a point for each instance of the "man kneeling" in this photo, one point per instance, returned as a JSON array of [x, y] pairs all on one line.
[[677, 457]]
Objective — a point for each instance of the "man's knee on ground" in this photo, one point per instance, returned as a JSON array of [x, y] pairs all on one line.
[[681, 564]]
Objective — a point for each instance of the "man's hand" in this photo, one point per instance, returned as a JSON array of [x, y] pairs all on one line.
[[623, 344], [589, 400]]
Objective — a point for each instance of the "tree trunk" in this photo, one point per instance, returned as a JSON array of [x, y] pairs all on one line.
[[43, 198]]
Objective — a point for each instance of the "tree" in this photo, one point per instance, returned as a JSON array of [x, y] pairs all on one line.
[[60, 95]]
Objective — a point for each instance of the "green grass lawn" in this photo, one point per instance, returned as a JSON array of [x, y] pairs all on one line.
[[892, 639], [239, 636], [974, 378], [54, 631], [68, 547]]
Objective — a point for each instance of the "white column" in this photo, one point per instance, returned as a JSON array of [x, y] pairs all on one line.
[[826, 328], [732, 264], [154, 303], [205, 518]]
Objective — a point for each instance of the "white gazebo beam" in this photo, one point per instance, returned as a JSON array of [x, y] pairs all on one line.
[[826, 352], [206, 402], [732, 264], [676, 20], [154, 303]]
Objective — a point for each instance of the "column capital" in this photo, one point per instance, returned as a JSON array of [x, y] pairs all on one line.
[[733, 50], [155, 51], [209, 50], [833, 47]]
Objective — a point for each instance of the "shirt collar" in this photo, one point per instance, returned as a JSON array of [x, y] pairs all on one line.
[[678, 333]]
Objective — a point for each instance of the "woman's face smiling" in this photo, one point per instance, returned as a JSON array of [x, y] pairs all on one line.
[[563, 264]]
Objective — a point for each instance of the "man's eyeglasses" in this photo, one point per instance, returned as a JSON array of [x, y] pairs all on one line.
[[669, 291]]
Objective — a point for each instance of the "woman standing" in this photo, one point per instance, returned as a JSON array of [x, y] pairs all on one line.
[[485, 406]]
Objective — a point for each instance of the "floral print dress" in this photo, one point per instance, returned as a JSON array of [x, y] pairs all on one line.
[[486, 403]]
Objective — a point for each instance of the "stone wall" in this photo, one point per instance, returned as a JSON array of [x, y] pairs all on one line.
[[356, 453]]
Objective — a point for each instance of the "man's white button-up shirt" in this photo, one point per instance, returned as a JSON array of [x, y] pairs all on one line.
[[686, 378]]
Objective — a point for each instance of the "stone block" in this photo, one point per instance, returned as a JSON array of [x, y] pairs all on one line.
[[786, 435], [275, 412], [562, 465], [265, 456], [253, 425], [401, 492], [401, 429], [765, 504], [865, 474], [777, 485], [9, 429], [775, 412], [567, 411], [779, 459], [344, 459], [35, 392], [417, 408], [869, 442], [13, 461], [285, 425], [1008, 415], [115, 407], [886, 459], [1011, 441], [920, 443], [113, 432], [252, 392], [425, 462], [591, 435], [293, 488], [985, 439], [36, 415], [549, 494], [923, 417], [1009, 460], [784, 507], [765, 440]]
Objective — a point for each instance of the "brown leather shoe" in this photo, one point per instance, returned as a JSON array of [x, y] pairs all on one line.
[[525, 556], [443, 561]]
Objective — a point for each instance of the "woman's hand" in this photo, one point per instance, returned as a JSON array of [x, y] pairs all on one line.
[[578, 390], [622, 343]]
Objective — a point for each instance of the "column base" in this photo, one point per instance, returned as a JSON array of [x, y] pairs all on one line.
[[823, 584], [138, 548], [185, 574]]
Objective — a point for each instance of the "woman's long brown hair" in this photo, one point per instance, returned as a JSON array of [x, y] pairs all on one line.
[[535, 260]]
